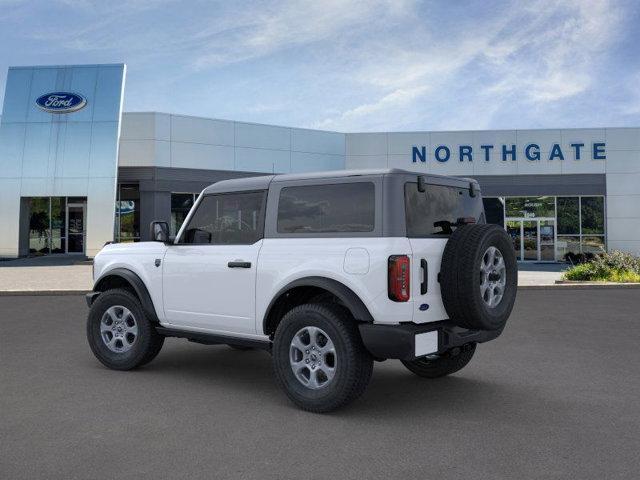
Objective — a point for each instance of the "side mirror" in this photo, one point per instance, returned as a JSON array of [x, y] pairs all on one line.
[[159, 231]]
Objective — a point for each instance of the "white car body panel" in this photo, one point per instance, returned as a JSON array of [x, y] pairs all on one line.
[[201, 291], [140, 258], [284, 260], [431, 250]]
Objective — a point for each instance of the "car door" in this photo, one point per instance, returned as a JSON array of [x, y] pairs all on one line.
[[209, 274]]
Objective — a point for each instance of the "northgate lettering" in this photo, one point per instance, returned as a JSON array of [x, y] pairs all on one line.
[[577, 151]]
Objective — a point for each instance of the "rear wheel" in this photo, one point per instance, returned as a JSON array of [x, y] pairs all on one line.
[[319, 359], [119, 333], [441, 365]]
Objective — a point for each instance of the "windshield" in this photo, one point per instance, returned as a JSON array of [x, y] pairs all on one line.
[[438, 209]]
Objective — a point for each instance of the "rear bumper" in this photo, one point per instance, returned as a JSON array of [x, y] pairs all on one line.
[[410, 341]]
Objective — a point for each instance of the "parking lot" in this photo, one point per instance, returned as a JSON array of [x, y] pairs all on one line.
[[557, 396]]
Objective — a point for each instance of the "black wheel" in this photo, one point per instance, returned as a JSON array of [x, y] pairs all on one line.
[[479, 277], [445, 364], [319, 359], [241, 348], [119, 333]]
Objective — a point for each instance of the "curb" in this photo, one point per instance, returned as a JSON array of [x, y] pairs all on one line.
[[41, 293]]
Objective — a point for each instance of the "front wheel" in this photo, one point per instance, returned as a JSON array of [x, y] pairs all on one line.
[[119, 333], [319, 359], [442, 365]]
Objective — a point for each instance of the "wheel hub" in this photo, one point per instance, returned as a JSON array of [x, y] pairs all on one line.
[[493, 277], [312, 357], [118, 329]]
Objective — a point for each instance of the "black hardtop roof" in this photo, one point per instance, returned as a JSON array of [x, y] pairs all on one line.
[[263, 182]]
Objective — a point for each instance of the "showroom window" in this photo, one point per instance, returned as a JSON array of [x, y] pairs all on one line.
[[127, 226], [580, 220], [568, 215], [56, 225], [181, 203], [580, 225], [39, 226], [530, 207]]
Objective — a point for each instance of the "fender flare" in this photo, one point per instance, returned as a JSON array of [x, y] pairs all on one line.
[[138, 286], [347, 296]]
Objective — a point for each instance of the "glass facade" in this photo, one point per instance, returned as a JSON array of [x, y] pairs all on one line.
[[57, 225], [127, 224], [530, 207], [52, 156], [547, 228]]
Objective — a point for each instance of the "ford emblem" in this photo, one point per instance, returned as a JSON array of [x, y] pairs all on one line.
[[61, 102]]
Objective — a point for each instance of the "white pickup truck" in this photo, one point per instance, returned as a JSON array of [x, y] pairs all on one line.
[[327, 271]]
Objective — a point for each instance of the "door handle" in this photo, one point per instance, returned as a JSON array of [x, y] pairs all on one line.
[[239, 264], [425, 276]]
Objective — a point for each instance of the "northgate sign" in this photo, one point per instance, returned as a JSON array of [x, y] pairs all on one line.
[[531, 152]]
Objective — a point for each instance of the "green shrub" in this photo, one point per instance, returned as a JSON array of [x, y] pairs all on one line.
[[615, 266]]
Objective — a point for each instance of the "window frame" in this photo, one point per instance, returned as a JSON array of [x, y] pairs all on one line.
[[117, 230], [196, 206], [273, 202], [194, 199], [580, 233]]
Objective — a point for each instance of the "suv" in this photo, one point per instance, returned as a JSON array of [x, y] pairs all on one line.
[[327, 271]]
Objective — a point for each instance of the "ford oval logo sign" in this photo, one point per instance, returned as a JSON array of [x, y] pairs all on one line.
[[61, 102]]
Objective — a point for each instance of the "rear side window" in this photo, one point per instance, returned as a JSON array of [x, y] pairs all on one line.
[[437, 210], [227, 219], [343, 207]]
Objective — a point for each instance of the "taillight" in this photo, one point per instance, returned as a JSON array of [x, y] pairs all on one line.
[[399, 278]]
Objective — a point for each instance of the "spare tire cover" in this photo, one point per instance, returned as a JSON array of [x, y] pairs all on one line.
[[479, 277]]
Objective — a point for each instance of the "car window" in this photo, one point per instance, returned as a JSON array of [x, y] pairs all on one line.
[[227, 219], [343, 207], [436, 210]]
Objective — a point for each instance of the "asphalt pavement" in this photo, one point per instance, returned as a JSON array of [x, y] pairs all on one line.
[[556, 396]]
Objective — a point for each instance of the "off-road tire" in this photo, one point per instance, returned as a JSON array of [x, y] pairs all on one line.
[[354, 364], [445, 364], [460, 277], [147, 344]]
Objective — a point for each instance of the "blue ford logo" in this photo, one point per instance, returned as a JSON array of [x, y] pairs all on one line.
[[61, 102]]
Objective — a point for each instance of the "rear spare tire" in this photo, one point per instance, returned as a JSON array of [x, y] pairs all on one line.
[[479, 277]]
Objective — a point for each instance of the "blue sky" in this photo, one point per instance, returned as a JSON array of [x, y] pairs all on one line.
[[351, 65]]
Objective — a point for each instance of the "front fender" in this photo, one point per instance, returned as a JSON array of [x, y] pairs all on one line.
[[131, 278]]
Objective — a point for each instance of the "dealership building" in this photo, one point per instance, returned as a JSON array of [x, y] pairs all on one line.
[[76, 171]]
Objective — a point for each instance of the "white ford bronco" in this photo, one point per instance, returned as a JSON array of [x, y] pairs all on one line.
[[327, 271]]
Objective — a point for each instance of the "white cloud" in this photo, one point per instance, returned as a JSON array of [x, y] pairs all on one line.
[[534, 55], [286, 24], [349, 64]]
